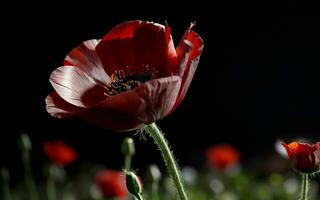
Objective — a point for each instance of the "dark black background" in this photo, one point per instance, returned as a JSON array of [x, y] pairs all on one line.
[[257, 81]]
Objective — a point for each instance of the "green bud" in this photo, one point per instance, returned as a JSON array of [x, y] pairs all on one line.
[[154, 173], [127, 147], [133, 184], [24, 142]]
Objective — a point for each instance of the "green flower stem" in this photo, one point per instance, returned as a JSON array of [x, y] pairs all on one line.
[[51, 185], [51, 189], [127, 162], [154, 190], [304, 187], [6, 191], [128, 150], [29, 180], [167, 155], [5, 184]]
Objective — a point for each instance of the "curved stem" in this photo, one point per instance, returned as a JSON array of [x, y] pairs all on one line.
[[140, 197], [167, 155], [305, 187]]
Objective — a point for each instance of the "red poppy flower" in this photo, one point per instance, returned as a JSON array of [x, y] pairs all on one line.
[[304, 157], [59, 153], [222, 156], [112, 184], [133, 76]]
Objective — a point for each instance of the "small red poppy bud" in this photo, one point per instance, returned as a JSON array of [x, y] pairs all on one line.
[[304, 158]]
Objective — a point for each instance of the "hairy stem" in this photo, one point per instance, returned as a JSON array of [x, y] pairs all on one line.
[[140, 197], [167, 155], [304, 187]]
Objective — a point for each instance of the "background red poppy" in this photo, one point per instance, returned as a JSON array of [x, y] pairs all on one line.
[[112, 184], [59, 153], [304, 157], [223, 156]]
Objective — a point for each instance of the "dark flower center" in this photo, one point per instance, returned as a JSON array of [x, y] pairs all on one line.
[[123, 80]]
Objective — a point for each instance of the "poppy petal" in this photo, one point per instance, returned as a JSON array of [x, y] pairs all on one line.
[[304, 148], [123, 30], [76, 87], [85, 57], [57, 107], [110, 119], [300, 148], [304, 163], [112, 184], [289, 150], [172, 54], [189, 52], [152, 46], [136, 44], [148, 102], [317, 157], [317, 145]]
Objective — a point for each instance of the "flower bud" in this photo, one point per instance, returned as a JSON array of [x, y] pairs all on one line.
[[127, 147], [133, 184], [25, 143], [154, 173]]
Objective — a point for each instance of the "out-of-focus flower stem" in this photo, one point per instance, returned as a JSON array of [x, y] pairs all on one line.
[[168, 157], [155, 176], [25, 147], [128, 150], [5, 184], [127, 162], [305, 187], [154, 190], [30, 183], [51, 187]]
